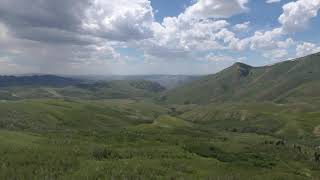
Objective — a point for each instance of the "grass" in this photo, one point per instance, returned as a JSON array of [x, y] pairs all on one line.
[[288, 81], [129, 139], [77, 132]]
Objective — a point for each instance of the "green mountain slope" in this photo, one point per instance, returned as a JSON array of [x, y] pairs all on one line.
[[37, 80], [294, 122], [168, 81], [100, 90], [126, 139], [285, 81], [121, 89]]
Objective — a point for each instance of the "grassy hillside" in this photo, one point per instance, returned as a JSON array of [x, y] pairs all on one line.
[[56, 139], [37, 80], [168, 81], [113, 90], [282, 82], [243, 123], [61, 115], [85, 90], [293, 122]]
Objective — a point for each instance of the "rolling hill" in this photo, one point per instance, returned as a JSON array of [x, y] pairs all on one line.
[[35, 87], [282, 82], [37, 80], [126, 139], [120, 89], [168, 81], [114, 130]]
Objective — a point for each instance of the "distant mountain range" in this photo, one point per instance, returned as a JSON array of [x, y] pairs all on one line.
[[290, 81], [282, 82], [168, 81], [37, 80], [90, 87], [49, 86], [117, 89]]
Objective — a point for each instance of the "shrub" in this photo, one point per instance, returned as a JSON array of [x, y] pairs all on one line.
[[101, 153]]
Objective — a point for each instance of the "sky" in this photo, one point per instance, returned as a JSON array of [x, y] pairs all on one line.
[[131, 37]]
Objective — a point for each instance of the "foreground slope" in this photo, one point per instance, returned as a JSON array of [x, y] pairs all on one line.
[[57, 139], [286, 81]]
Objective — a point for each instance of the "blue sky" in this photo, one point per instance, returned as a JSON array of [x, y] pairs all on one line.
[[261, 15], [153, 36], [165, 8]]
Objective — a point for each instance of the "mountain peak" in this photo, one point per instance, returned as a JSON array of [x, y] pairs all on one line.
[[242, 65], [281, 82], [242, 69]]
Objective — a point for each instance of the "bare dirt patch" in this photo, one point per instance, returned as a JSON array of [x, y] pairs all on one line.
[[316, 131]]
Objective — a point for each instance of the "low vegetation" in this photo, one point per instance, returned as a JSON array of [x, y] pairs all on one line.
[[285, 82], [126, 129]]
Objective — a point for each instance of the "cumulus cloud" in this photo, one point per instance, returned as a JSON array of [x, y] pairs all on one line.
[[51, 36], [28, 56], [306, 48], [204, 9], [218, 58], [265, 40], [273, 1], [276, 54], [47, 20], [75, 36], [296, 15], [272, 43], [241, 27], [195, 29], [120, 20], [62, 15], [188, 35], [286, 44], [259, 41]]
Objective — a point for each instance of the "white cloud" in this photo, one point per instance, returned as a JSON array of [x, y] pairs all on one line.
[[195, 29], [230, 39], [3, 31], [242, 27], [276, 54], [175, 38], [286, 44], [265, 40], [204, 9], [272, 1], [120, 20], [271, 44], [218, 58], [296, 15], [306, 48], [85, 34]]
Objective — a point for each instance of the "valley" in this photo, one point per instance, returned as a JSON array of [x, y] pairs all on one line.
[[244, 122]]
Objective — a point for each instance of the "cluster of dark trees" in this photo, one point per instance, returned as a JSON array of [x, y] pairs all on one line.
[[317, 156], [278, 143], [295, 146]]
